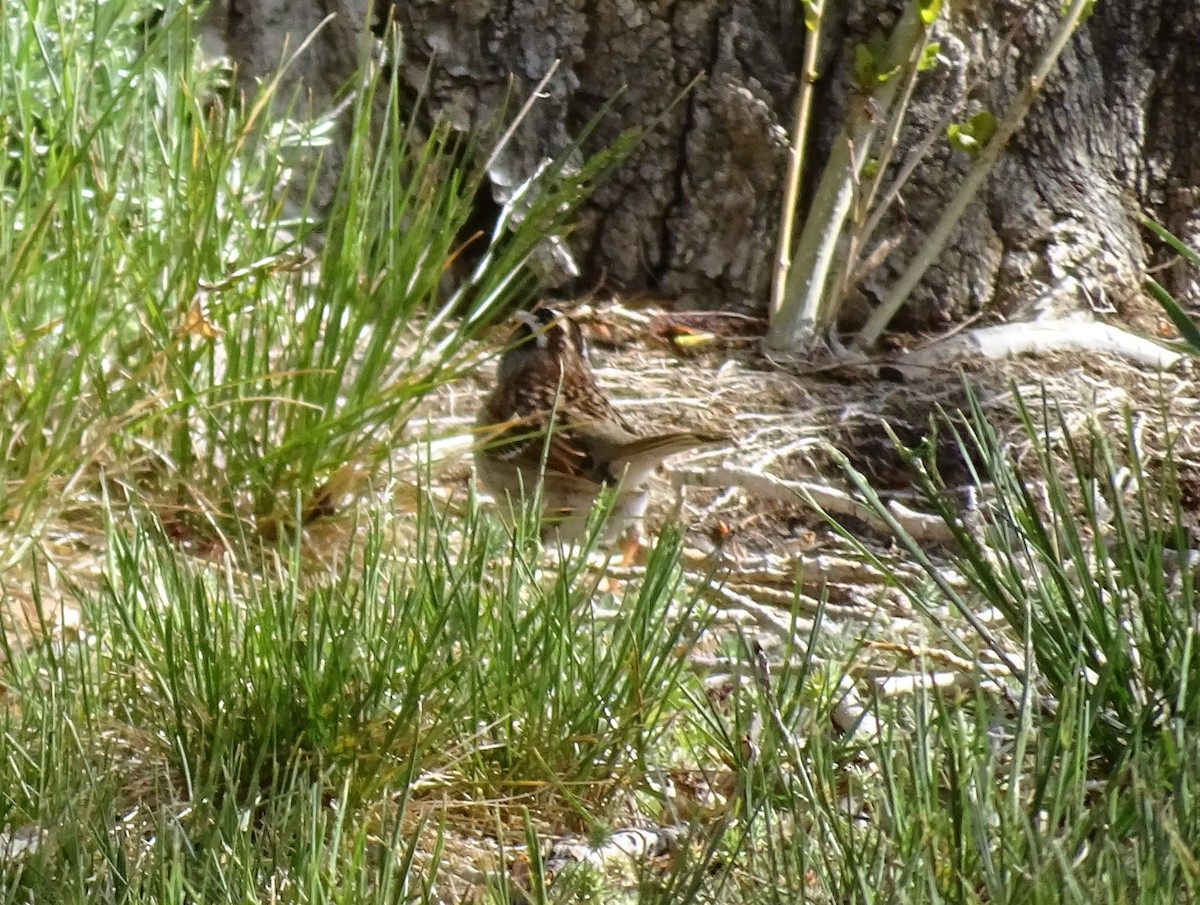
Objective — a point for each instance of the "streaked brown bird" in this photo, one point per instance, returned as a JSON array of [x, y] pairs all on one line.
[[547, 422]]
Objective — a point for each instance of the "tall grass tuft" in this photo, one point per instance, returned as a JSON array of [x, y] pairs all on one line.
[[165, 325]]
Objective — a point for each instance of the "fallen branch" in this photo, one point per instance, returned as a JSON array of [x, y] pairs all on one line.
[[789, 628], [927, 528], [1011, 340]]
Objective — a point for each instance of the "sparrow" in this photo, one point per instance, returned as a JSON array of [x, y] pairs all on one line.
[[547, 426]]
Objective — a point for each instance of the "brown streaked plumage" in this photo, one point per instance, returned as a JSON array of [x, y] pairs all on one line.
[[547, 421]]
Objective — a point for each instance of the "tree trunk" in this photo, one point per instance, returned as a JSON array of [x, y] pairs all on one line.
[[694, 213]]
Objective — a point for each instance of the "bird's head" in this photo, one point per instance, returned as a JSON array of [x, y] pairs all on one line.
[[543, 339]]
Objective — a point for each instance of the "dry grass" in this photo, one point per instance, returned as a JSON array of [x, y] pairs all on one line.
[[782, 414]]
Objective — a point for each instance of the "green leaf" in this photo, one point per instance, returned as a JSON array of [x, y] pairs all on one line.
[[972, 135], [961, 138], [1181, 319], [929, 56], [983, 124], [865, 65], [871, 62], [928, 10], [1190, 254], [812, 15], [1065, 7]]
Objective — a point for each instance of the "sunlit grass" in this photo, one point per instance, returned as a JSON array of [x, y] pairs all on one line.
[[213, 691]]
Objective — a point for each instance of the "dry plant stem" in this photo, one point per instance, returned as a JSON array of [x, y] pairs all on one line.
[[936, 241], [780, 574], [858, 237], [534, 96], [852, 716], [940, 657], [914, 158], [797, 320], [895, 686], [891, 139], [789, 628], [927, 528], [787, 216], [806, 309], [919, 152], [626, 847]]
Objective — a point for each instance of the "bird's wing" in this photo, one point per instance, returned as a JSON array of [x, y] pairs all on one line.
[[522, 443], [636, 459]]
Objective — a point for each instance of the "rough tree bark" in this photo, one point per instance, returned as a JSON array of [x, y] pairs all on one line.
[[694, 213]]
